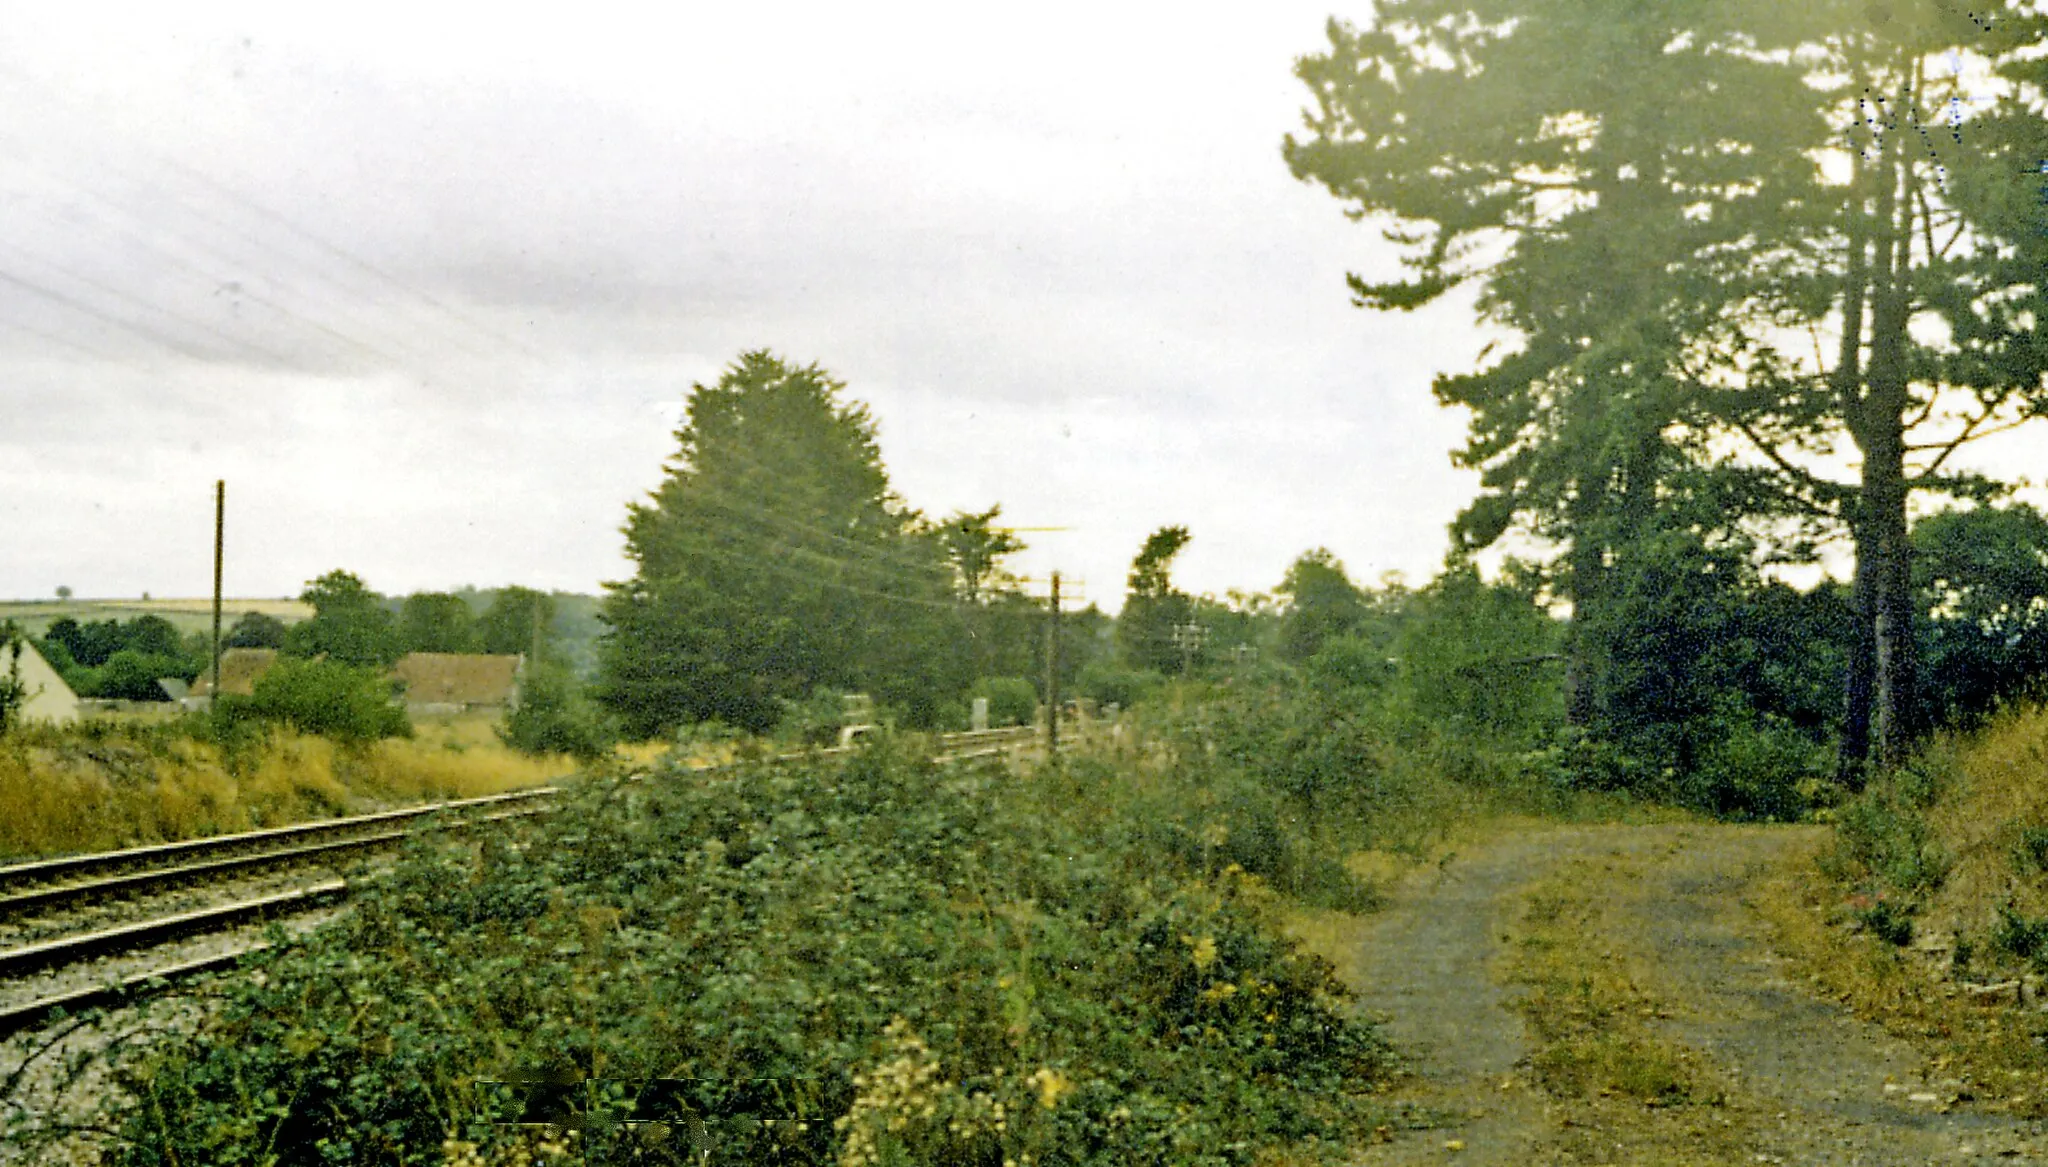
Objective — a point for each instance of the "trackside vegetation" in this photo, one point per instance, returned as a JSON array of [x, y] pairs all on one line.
[[902, 962], [105, 784]]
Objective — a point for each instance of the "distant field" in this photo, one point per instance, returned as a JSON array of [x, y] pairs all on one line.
[[188, 614]]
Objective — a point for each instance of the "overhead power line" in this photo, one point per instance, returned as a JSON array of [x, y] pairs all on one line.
[[363, 269]]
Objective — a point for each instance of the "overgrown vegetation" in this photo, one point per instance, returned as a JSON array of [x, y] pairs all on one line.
[[107, 784], [323, 696], [949, 965], [1932, 877], [1956, 838], [555, 716]]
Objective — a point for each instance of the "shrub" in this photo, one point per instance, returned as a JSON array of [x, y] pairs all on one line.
[[1107, 684], [344, 702], [1886, 836], [1351, 662], [2018, 936], [1011, 700], [554, 717], [2031, 852], [813, 721], [947, 966], [1755, 768], [1887, 921]]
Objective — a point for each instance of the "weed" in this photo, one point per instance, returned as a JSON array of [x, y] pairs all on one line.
[[1887, 921], [2018, 936], [107, 784], [2030, 854], [964, 966]]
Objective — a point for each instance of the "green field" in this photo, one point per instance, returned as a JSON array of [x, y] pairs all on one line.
[[190, 615]]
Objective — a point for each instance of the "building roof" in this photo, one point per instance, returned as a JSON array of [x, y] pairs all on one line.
[[239, 669], [459, 678]]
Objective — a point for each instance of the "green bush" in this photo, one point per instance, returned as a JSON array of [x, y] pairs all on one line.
[[1755, 769], [1887, 921], [1107, 684], [345, 702], [1885, 836], [813, 721], [943, 964], [554, 717], [1011, 700], [1351, 662], [2031, 852], [2018, 936]]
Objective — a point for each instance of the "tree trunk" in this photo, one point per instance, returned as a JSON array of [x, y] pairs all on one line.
[[1883, 540], [1587, 567], [1888, 552], [1859, 687], [1859, 681]]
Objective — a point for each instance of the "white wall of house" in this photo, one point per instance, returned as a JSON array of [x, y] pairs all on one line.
[[50, 700]]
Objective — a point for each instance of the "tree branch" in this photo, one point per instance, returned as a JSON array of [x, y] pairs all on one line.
[[1970, 433], [1798, 474]]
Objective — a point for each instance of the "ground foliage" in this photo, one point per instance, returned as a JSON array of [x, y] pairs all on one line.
[[947, 964]]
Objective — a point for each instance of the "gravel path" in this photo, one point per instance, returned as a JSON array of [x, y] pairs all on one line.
[[1820, 1086]]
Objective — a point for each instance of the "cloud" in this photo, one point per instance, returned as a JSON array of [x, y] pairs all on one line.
[[426, 288]]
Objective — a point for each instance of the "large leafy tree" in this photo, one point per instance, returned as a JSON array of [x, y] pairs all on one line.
[[256, 630], [518, 620], [1003, 626], [436, 622], [1655, 199], [773, 560], [1980, 578], [350, 624], [1153, 606], [975, 545], [1321, 603]]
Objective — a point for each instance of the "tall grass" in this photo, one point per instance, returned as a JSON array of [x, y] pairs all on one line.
[[1990, 803], [105, 784]]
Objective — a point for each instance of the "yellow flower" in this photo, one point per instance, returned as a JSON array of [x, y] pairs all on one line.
[[1205, 952], [1052, 1086]]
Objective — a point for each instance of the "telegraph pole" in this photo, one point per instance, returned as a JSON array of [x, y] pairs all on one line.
[[220, 513], [1052, 672]]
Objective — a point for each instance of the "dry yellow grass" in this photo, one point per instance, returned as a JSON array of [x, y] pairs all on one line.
[[1991, 786], [127, 786], [1998, 788]]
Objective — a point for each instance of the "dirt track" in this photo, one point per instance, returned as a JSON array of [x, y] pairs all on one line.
[[1812, 1084]]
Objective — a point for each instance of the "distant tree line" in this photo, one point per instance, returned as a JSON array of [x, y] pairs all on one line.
[[351, 625]]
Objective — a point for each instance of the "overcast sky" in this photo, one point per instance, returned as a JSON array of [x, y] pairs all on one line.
[[427, 286]]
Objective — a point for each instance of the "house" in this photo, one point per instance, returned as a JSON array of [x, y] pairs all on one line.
[[50, 700], [239, 670], [457, 682]]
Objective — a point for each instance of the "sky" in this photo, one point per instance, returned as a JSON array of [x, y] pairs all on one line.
[[427, 286]]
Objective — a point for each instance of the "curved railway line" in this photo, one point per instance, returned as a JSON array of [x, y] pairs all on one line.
[[82, 931]]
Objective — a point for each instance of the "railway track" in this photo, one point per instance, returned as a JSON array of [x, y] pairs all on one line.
[[87, 930]]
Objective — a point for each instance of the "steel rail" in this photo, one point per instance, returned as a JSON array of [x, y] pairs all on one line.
[[46, 870], [29, 1015], [15, 962]]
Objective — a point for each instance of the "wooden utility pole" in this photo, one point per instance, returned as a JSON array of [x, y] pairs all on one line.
[[220, 513], [1052, 672]]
